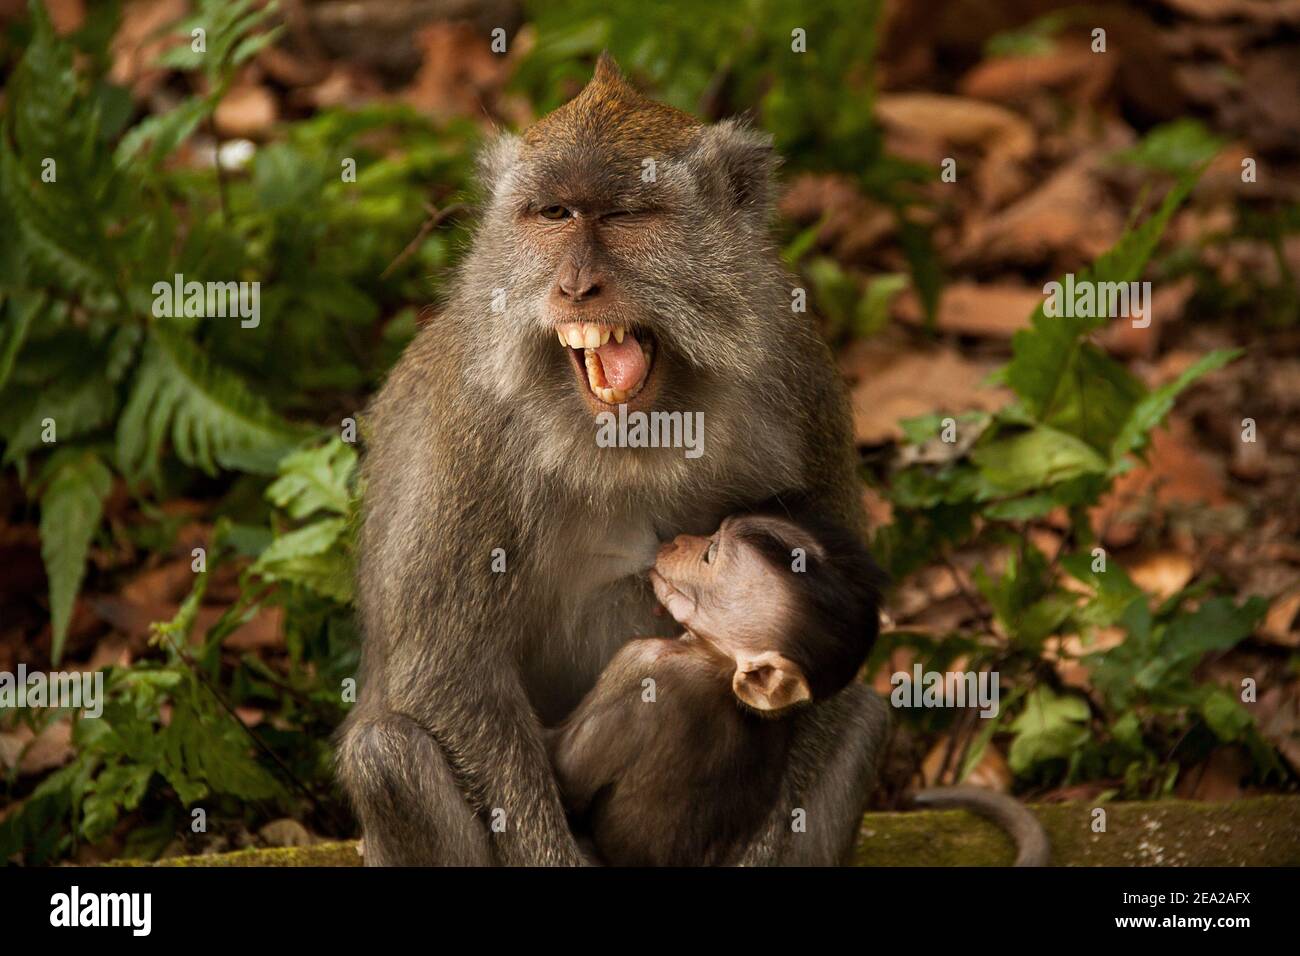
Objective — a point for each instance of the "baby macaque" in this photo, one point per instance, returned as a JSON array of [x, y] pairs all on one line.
[[676, 756]]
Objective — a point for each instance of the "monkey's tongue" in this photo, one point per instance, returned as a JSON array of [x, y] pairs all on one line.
[[623, 362]]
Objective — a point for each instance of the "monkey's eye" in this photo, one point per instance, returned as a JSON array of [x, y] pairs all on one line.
[[712, 553], [554, 212]]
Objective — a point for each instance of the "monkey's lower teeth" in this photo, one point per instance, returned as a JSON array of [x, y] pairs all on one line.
[[601, 388]]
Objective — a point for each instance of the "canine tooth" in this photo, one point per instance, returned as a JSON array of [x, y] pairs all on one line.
[[560, 335], [619, 332]]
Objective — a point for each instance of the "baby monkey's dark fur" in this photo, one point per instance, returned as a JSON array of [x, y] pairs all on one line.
[[675, 758]]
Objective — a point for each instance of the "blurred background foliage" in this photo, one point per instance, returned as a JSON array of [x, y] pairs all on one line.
[[187, 525]]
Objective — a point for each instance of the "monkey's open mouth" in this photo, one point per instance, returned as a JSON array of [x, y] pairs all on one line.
[[615, 361]]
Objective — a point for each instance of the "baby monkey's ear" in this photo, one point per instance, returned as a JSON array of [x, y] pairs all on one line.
[[770, 682]]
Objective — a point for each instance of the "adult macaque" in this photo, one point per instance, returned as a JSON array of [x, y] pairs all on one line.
[[636, 231], [675, 757]]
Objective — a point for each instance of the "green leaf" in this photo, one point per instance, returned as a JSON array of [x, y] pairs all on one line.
[[1030, 460], [71, 506], [872, 312], [117, 788], [1113, 590], [927, 270], [316, 557], [75, 407], [1178, 147], [211, 748], [211, 416], [1216, 625], [1066, 382], [1228, 720], [1051, 728], [20, 309], [1153, 407], [162, 133], [315, 479]]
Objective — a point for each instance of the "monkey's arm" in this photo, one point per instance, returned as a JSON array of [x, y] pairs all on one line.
[[605, 732], [444, 636]]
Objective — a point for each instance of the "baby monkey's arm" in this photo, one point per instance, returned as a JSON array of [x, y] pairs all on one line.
[[612, 724]]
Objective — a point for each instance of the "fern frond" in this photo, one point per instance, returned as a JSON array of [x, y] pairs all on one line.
[[71, 506], [211, 416]]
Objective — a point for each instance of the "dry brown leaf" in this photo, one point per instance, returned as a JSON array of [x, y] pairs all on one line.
[[941, 616], [133, 619], [246, 112], [1168, 300], [853, 225], [167, 582], [1070, 66], [138, 43], [346, 84], [262, 632], [990, 772], [1077, 793], [285, 832], [894, 385], [967, 308], [459, 74], [1259, 11], [36, 753], [1163, 573], [292, 69], [109, 652], [1282, 622], [1251, 460], [67, 16], [880, 510], [958, 120], [1279, 721], [1176, 471], [1064, 654], [1068, 219], [1218, 778], [900, 661]]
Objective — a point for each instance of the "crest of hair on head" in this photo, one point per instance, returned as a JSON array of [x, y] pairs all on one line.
[[612, 112]]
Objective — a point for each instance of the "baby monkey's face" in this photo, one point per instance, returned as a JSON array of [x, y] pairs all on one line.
[[720, 588]]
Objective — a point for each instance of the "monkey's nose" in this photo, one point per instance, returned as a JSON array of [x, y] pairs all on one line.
[[578, 284]]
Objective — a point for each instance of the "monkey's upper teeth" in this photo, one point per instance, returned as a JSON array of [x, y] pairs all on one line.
[[588, 335]]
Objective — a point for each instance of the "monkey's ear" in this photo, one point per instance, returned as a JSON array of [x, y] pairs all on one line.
[[737, 164], [496, 158], [770, 682]]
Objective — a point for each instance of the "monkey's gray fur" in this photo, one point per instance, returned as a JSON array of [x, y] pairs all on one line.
[[479, 440]]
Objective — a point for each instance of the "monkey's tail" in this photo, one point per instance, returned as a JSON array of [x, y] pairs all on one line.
[[1010, 814]]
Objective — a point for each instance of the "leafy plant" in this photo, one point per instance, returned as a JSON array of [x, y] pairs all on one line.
[[1078, 421], [89, 369]]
